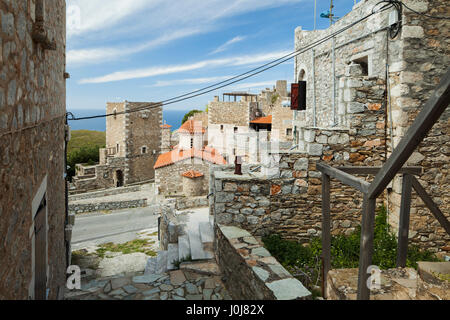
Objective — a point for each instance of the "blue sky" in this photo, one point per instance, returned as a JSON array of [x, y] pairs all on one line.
[[152, 50]]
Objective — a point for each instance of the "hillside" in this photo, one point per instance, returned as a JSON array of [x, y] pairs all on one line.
[[86, 138]]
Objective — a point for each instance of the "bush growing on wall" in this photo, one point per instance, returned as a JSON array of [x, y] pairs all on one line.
[[304, 262], [190, 114], [87, 155]]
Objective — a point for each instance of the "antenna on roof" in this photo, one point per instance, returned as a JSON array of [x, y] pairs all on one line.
[[329, 14]]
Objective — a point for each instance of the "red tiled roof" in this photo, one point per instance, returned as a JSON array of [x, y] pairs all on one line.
[[166, 126], [263, 120], [192, 174], [192, 127], [177, 155]]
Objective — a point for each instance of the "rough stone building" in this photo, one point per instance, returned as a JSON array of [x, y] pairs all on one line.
[[342, 71], [182, 171], [133, 143], [32, 137], [235, 128]]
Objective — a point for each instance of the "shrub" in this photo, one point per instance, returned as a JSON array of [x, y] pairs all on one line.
[[304, 261], [189, 114], [87, 155]]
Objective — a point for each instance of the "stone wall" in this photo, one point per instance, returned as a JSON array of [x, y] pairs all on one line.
[[417, 57], [105, 176], [183, 203], [143, 129], [202, 117], [104, 193], [169, 179], [193, 187], [165, 139], [425, 59], [365, 41], [115, 128], [32, 112], [219, 113], [110, 205], [286, 198], [251, 272]]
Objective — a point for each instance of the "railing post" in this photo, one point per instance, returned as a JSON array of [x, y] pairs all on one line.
[[366, 246], [326, 231], [403, 228], [435, 211]]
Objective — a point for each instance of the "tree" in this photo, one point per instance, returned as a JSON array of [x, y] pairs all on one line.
[[88, 155], [190, 114]]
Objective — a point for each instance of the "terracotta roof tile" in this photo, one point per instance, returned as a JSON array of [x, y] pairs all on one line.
[[192, 174], [166, 126], [263, 120], [191, 127], [171, 157]]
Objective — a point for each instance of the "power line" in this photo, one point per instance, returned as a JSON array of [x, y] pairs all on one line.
[[248, 74], [420, 13]]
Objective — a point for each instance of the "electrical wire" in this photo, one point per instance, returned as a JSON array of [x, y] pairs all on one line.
[[242, 76], [421, 14]]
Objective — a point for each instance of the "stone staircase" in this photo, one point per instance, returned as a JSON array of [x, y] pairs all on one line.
[[195, 243]]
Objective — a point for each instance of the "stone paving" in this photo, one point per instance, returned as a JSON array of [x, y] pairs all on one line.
[[174, 285]]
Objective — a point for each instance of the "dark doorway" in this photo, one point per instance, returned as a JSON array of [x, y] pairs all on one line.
[[40, 251], [119, 178]]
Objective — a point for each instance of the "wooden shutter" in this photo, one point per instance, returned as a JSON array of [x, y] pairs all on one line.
[[294, 96]]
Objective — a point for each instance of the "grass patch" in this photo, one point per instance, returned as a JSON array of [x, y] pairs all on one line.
[[138, 245], [85, 138], [304, 261], [83, 148], [177, 262], [84, 259]]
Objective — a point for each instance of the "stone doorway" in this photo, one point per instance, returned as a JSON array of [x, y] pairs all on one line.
[[119, 178]]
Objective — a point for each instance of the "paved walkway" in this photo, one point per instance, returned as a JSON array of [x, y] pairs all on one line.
[[174, 285], [118, 227]]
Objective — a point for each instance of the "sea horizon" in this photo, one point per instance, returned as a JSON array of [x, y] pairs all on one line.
[[171, 117]]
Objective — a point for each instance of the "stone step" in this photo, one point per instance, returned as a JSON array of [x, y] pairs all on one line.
[[197, 252], [206, 232], [184, 248], [150, 267], [172, 256], [161, 262]]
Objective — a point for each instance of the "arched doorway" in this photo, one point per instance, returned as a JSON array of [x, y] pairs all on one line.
[[119, 178]]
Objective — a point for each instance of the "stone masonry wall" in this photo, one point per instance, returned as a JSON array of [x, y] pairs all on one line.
[[251, 272], [32, 112], [236, 113], [289, 201], [364, 41], [143, 130], [115, 128], [417, 58], [425, 58], [111, 205], [169, 178]]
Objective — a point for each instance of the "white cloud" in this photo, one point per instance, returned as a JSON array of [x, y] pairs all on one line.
[[95, 55], [225, 46], [119, 21], [100, 14], [163, 70], [189, 81], [254, 85]]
